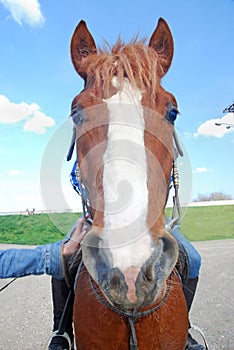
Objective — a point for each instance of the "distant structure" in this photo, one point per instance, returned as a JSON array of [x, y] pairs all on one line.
[[229, 109]]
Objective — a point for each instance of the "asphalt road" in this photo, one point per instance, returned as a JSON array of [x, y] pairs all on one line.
[[26, 306]]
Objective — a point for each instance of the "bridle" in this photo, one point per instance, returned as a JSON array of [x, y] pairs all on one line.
[[87, 214], [176, 211]]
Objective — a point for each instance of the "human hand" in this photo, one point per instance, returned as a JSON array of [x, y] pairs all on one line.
[[73, 244]]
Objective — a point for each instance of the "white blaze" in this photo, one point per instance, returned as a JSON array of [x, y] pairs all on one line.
[[125, 180]]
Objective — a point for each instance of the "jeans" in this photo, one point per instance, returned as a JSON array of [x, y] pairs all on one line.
[[22, 262], [193, 256]]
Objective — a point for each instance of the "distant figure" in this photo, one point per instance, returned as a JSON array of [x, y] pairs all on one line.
[[30, 212]]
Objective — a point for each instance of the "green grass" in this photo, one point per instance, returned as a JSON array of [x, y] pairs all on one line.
[[198, 224], [208, 223], [35, 229]]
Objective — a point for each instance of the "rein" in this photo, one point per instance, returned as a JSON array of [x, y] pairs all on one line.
[[7, 284]]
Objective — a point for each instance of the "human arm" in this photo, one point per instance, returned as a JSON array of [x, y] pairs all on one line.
[[41, 259]]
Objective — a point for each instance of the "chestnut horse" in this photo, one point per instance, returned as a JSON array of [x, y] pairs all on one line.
[[128, 293]]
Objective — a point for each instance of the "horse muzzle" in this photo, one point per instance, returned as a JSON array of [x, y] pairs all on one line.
[[133, 287]]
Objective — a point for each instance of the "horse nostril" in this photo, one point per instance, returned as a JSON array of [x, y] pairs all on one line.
[[149, 274], [115, 278], [149, 269]]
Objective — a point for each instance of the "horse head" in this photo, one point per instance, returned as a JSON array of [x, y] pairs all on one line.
[[124, 139]]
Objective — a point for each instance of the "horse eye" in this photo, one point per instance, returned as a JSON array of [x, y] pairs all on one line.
[[171, 113]]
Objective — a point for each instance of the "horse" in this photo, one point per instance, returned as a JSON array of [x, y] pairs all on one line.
[[128, 292]]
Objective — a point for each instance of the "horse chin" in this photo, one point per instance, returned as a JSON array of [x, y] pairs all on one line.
[[121, 290]]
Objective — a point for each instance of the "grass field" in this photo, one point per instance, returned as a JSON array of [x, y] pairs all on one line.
[[198, 224], [35, 229], [208, 223]]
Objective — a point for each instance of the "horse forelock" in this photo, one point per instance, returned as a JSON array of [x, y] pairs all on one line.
[[136, 61]]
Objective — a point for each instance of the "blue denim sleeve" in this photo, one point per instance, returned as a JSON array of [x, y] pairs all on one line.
[[22, 262]]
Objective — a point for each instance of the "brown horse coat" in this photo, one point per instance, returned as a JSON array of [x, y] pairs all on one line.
[[99, 328]]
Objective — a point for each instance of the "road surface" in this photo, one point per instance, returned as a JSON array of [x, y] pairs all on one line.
[[26, 305]]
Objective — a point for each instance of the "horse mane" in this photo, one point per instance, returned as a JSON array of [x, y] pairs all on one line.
[[136, 61]]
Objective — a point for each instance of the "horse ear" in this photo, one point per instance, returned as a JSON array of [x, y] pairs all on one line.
[[162, 42], [82, 45]]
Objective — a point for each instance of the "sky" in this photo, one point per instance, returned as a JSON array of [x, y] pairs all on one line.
[[38, 83]]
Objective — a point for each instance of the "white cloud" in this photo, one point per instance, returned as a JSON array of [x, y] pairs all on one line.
[[210, 129], [38, 123], [35, 120], [202, 170], [28, 11], [11, 112], [14, 172]]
